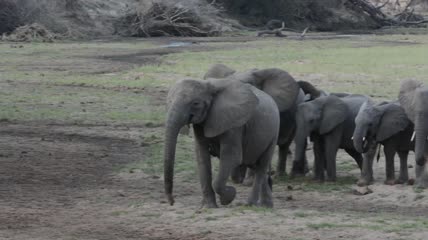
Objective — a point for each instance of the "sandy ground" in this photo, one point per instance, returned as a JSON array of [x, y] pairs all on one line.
[[60, 181]]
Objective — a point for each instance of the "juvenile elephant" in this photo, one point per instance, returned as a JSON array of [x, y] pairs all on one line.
[[232, 120], [413, 98], [387, 124], [285, 91], [329, 121]]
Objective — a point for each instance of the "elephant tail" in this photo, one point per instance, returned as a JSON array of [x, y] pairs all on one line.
[[310, 89]]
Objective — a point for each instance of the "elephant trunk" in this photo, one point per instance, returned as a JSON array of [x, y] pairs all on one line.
[[175, 120], [300, 140], [421, 132], [358, 138]]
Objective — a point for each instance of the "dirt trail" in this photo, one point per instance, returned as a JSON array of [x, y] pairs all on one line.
[[63, 182]]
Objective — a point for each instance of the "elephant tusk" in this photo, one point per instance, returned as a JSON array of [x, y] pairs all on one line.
[[352, 138], [413, 136], [364, 139]]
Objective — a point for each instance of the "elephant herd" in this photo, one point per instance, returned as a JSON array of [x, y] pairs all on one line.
[[240, 117]]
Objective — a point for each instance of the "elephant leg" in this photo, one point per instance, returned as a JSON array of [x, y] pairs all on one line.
[[422, 173], [367, 167], [205, 174], [356, 156], [282, 159], [266, 194], [287, 131], [238, 174], [261, 182], [331, 145], [249, 177], [389, 164], [230, 158], [319, 161], [404, 173]]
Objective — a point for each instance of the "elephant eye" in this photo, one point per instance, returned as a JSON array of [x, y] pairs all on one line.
[[196, 104]]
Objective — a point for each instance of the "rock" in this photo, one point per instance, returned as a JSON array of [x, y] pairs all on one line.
[[360, 191], [121, 194]]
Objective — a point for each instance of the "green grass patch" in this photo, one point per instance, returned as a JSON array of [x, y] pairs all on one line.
[[77, 105], [185, 164], [244, 209], [306, 183]]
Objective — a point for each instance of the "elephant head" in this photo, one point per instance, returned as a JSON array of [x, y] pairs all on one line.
[[219, 71], [376, 123], [279, 84], [319, 116], [216, 105]]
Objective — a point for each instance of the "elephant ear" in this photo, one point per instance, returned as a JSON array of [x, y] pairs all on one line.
[[393, 120], [280, 85], [406, 96], [309, 89], [233, 105], [334, 113], [219, 71]]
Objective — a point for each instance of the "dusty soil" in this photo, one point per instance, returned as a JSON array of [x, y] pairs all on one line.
[[61, 182], [66, 181]]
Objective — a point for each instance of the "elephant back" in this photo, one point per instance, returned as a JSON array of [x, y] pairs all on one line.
[[407, 97], [280, 85], [219, 71]]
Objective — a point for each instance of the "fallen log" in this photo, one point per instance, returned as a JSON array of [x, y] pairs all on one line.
[[277, 32]]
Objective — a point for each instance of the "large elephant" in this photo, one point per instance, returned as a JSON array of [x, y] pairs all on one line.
[[413, 98], [232, 120], [285, 91], [385, 123], [329, 121]]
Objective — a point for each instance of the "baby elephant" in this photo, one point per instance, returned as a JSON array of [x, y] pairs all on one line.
[[230, 119], [387, 124], [329, 121]]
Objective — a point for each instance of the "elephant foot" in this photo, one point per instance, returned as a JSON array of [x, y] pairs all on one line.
[[390, 182], [209, 202], [266, 204], [317, 180], [227, 195], [296, 174], [364, 182], [401, 180], [421, 183], [331, 179], [209, 205], [299, 169], [421, 177]]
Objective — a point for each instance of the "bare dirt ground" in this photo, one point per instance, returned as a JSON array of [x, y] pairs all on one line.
[[66, 181]]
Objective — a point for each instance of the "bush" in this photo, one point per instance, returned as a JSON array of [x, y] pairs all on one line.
[[174, 18]]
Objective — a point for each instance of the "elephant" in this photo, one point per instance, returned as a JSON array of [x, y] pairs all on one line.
[[230, 119], [413, 97], [386, 124], [311, 92], [283, 88], [329, 121]]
